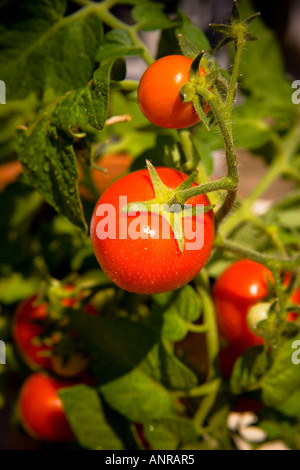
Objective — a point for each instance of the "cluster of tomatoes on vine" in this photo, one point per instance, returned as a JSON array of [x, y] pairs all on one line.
[[148, 264]]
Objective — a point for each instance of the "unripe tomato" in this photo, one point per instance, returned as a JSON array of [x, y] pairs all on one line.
[[256, 314], [41, 410], [147, 262], [242, 285], [158, 93], [29, 324]]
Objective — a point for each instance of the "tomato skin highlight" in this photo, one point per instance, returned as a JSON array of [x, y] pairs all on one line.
[[41, 410], [158, 93], [150, 264], [242, 285]]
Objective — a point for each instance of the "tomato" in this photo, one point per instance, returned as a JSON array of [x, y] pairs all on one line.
[[9, 172], [116, 165], [158, 93], [30, 324], [242, 285], [41, 410], [256, 314], [150, 261], [295, 299]]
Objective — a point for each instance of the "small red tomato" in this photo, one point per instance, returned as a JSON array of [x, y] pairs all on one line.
[[41, 410], [30, 324], [242, 285], [158, 93], [138, 251]]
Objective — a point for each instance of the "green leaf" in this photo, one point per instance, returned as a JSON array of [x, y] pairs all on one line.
[[150, 16], [81, 109], [19, 207], [50, 166], [138, 397], [42, 49], [165, 368], [204, 154], [178, 309], [252, 126], [248, 370], [117, 43], [86, 416], [169, 434], [116, 345], [17, 287], [183, 38], [283, 379], [190, 31]]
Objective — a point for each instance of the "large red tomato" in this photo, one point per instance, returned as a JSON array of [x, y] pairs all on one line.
[[138, 251], [158, 93], [41, 410]]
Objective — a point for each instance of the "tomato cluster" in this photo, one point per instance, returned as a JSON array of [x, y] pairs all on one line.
[[241, 297], [35, 336]]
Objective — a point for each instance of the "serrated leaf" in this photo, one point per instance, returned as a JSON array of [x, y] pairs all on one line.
[[43, 49], [50, 166], [85, 414], [117, 43], [81, 109]]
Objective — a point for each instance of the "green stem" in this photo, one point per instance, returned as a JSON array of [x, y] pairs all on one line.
[[210, 323], [234, 76], [267, 260]]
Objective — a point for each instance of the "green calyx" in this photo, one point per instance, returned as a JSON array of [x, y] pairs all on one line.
[[238, 29], [170, 203]]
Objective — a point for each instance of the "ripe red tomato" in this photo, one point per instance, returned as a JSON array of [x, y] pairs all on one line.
[[29, 324], [41, 410], [158, 93], [148, 262], [242, 285]]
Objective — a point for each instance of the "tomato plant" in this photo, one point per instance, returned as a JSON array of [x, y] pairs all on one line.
[[158, 93], [157, 171]]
